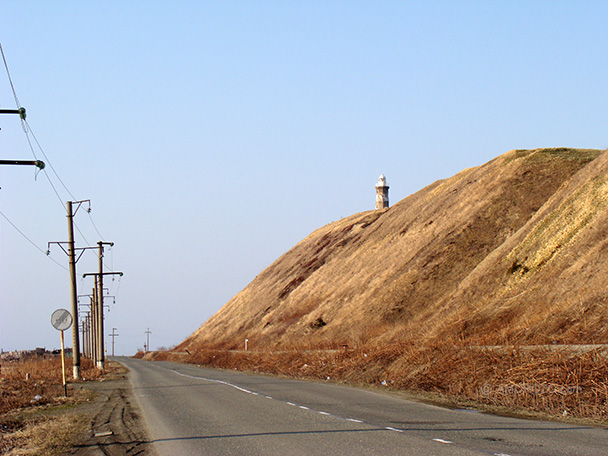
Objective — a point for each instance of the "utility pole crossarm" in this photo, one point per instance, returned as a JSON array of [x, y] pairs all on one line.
[[20, 111], [103, 273], [76, 249], [37, 163]]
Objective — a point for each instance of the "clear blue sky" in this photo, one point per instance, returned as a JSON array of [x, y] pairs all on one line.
[[211, 137]]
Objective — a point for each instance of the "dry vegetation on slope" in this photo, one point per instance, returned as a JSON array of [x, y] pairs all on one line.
[[511, 252], [476, 255]]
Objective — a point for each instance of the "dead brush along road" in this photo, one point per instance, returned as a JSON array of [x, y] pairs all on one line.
[[33, 409], [566, 383], [96, 419]]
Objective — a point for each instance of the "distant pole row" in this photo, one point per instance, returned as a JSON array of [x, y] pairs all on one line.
[[98, 293], [93, 324]]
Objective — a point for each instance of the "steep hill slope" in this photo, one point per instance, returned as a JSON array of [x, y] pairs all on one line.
[[513, 250]]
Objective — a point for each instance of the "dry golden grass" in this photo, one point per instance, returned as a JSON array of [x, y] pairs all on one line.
[[43, 437], [512, 253], [45, 381], [27, 422], [425, 261]]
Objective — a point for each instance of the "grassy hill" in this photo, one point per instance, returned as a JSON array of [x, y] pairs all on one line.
[[510, 251], [445, 292]]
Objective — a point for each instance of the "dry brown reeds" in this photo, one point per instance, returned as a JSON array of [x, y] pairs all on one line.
[[36, 381], [29, 391]]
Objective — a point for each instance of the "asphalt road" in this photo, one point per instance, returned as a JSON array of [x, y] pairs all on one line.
[[192, 410]]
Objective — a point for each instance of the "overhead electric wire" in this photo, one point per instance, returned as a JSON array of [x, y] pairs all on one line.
[[10, 79], [31, 242], [27, 130], [95, 226]]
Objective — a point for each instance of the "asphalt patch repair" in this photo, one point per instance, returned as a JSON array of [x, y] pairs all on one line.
[[116, 426]]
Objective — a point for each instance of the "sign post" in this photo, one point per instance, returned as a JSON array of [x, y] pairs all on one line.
[[61, 320]]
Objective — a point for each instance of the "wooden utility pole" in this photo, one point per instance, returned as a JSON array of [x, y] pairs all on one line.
[[73, 291], [148, 332], [88, 339], [101, 362], [94, 325], [113, 335], [100, 302], [82, 329], [73, 259], [86, 333]]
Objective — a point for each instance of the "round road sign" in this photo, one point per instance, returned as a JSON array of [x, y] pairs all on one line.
[[61, 319]]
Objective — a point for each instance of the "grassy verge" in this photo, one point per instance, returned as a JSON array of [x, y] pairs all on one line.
[[34, 418]]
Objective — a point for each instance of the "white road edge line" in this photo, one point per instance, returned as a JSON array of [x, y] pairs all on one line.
[[442, 441], [214, 381]]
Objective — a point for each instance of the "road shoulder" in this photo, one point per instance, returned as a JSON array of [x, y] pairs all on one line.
[[116, 425]]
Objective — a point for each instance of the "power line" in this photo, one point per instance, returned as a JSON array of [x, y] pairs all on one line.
[[8, 73], [28, 130], [31, 242], [48, 161], [95, 226]]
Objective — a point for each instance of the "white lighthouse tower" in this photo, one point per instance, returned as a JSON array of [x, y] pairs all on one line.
[[381, 193]]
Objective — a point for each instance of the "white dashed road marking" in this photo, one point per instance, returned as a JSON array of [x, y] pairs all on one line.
[[442, 441], [448, 442]]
